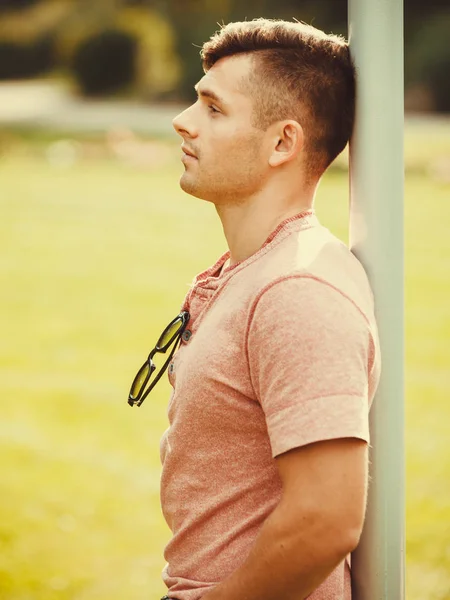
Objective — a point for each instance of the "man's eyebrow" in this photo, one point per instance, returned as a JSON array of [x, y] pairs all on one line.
[[205, 93]]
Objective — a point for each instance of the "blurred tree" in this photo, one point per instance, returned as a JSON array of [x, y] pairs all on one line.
[[9, 5], [192, 23], [169, 48], [105, 63], [27, 46], [34, 21], [427, 59], [102, 11], [195, 21], [21, 61], [426, 55], [158, 64]]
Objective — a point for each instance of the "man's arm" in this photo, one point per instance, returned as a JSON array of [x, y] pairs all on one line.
[[316, 524]]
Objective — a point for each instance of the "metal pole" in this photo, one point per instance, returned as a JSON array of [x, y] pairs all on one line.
[[376, 238]]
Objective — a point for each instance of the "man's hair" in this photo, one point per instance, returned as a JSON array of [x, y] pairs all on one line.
[[299, 73]]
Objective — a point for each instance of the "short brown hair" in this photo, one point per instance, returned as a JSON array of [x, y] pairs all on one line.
[[300, 73]]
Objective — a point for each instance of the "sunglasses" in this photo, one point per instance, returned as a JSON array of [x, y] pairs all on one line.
[[143, 383]]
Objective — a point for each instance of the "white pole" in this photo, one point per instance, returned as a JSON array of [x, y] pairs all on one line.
[[376, 238]]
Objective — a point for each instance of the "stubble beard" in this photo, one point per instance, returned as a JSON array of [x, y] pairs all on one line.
[[229, 188]]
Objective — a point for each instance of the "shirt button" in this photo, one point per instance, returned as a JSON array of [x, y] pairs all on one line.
[[171, 368], [186, 335]]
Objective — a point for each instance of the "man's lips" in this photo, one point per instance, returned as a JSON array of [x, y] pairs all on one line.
[[188, 152]]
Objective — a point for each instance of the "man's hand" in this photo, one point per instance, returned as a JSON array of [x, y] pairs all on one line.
[[316, 524]]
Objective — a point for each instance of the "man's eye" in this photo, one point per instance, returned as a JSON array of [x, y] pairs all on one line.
[[212, 109]]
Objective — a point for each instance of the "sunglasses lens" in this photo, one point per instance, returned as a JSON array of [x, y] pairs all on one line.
[[140, 380], [169, 334]]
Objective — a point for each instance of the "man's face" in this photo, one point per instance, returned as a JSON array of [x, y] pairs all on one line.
[[229, 164]]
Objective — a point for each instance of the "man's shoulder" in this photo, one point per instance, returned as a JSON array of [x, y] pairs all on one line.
[[314, 254]]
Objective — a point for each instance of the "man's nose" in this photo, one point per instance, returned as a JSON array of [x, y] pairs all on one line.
[[183, 125]]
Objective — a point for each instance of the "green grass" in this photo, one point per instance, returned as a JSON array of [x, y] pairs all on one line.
[[94, 260]]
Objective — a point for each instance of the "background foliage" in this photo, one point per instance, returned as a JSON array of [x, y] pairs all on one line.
[[169, 34]]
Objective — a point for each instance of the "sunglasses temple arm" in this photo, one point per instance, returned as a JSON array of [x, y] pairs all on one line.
[[160, 374]]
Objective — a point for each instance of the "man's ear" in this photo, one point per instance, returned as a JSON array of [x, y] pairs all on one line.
[[288, 143]]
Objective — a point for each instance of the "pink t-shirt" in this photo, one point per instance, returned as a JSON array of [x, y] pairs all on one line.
[[281, 351]]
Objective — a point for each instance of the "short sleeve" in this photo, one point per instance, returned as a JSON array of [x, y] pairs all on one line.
[[308, 349]]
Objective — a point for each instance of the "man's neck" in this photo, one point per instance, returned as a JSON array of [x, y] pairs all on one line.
[[247, 227]]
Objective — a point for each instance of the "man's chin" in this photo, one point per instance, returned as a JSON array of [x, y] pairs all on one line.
[[191, 189]]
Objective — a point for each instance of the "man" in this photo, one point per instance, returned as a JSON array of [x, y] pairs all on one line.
[[264, 476]]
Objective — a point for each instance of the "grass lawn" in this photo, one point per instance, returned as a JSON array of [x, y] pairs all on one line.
[[95, 259]]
